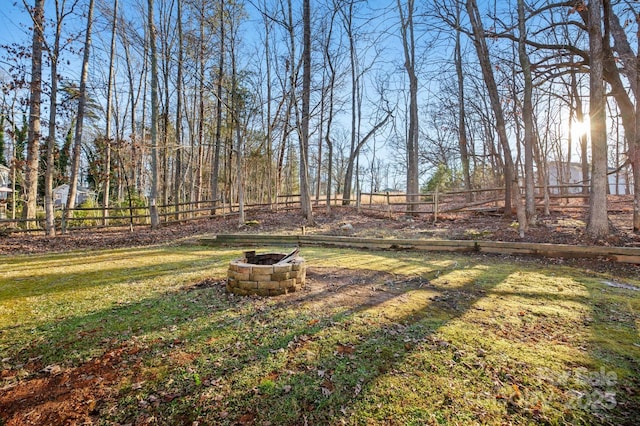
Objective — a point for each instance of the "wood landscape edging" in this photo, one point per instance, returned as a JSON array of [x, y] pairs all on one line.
[[617, 254]]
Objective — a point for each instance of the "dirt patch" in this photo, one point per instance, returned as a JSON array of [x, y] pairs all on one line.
[[65, 396], [326, 287]]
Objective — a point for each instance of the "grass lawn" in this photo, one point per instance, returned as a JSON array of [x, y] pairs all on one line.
[[150, 336]]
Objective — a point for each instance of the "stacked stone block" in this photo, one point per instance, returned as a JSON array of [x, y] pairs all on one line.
[[248, 278]]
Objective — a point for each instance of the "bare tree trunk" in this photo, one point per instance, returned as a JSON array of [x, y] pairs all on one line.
[[318, 184], [408, 44], [218, 137], [332, 81], [292, 102], [305, 196], [635, 145], [237, 123], [153, 199], [35, 94], [167, 40], [598, 221], [164, 152], [54, 54], [139, 156], [527, 118], [82, 101], [132, 104], [462, 127], [512, 191], [348, 179], [201, 77], [107, 148], [177, 183], [269, 127]]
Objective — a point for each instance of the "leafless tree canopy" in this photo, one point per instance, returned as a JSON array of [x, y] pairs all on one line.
[[167, 102]]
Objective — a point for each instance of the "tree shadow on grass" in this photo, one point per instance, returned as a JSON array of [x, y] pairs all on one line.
[[306, 365], [333, 353], [156, 332], [611, 386]]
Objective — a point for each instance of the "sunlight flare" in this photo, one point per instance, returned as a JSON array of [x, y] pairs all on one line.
[[580, 128]]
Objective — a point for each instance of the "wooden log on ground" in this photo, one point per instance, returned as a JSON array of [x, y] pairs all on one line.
[[617, 254]]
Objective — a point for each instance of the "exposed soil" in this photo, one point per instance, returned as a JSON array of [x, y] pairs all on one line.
[[57, 396], [564, 225]]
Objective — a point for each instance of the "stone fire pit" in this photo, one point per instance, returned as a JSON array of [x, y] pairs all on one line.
[[268, 274]]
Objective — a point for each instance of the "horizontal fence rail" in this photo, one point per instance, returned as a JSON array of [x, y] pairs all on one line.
[[389, 203]]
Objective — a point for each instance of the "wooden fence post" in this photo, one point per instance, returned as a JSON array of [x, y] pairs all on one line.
[[435, 206], [388, 204], [63, 222]]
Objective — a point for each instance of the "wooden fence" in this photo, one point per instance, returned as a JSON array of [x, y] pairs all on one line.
[[386, 203], [124, 216], [115, 217], [487, 199]]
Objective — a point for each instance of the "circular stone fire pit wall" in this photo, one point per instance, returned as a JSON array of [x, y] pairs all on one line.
[[262, 275]]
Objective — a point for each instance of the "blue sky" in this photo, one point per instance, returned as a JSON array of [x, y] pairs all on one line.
[[12, 14]]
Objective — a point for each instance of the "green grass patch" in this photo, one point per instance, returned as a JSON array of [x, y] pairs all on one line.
[[377, 337]]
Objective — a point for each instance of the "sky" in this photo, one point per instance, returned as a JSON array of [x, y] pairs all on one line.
[[12, 14]]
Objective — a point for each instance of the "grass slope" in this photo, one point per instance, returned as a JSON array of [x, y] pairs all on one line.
[[149, 336]]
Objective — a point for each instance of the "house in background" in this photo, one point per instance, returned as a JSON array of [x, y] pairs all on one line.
[[5, 187], [61, 193], [560, 174]]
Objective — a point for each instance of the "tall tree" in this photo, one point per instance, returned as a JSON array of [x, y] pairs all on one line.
[[107, 130], [153, 198], [82, 106], [598, 221], [178, 184], [512, 191], [197, 196], [635, 145], [237, 120], [305, 195], [462, 111], [166, 26], [35, 94], [136, 83], [583, 140], [332, 83], [269, 99], [409, 49], [54, 56], [219, 123], [527, 117], [348, 24]]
